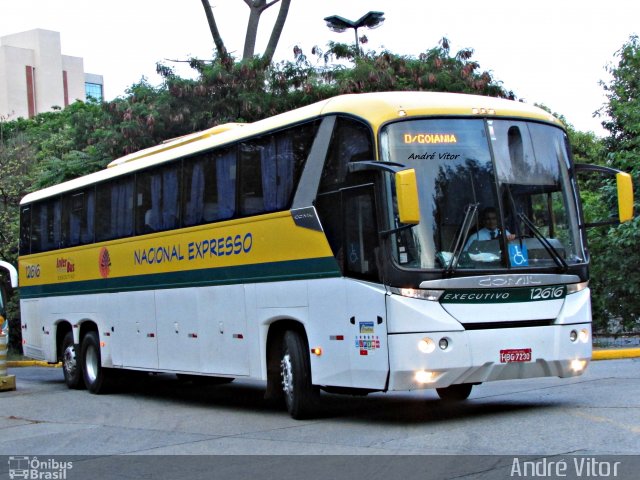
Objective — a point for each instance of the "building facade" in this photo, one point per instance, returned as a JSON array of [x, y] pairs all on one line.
[[35, 77]]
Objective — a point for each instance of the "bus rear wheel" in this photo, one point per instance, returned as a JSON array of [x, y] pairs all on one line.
[[455, 393], [97, 378], [71, 366], [300, 396]]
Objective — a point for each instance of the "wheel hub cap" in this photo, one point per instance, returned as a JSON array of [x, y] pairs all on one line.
[[287, 376], [69, 360]]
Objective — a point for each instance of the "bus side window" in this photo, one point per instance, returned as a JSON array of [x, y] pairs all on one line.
[[46, 230], [209, 187], [270, 168], [25, 230], [351, 141], [78, 210], [114, 206], [158, 199], [253, 155]]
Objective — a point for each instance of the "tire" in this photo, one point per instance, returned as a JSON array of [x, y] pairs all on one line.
[[71, 365], [97, 378], [455, 393], [300, 396]]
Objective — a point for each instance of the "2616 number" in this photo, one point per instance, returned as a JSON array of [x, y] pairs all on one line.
[[33, 271]]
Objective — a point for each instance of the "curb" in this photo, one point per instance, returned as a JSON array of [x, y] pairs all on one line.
[[611, 354], [615, 354], [31, 363]]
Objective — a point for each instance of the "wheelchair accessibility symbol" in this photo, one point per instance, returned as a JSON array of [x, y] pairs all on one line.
[[518, 255]]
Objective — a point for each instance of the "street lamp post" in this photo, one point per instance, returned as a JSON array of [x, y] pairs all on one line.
[[369, 20]]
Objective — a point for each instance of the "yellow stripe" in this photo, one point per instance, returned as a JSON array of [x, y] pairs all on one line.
[[254, 241], [615, 353]]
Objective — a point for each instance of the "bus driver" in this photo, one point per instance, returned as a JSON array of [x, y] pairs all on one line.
[[490, 229]]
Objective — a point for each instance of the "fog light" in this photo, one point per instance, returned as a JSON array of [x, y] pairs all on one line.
[[443, 344], [573, 336], [422, 376], [578, 365], [584, 335], [426, 345]]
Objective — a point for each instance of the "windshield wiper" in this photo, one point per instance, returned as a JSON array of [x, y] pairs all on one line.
[[461, 239], [553, 253]]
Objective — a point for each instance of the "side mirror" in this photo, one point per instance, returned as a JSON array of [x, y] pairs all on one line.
[[625, 196], [597, 201], [407, 193], [406, 187]]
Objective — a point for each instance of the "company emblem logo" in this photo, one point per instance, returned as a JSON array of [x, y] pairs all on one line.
[[104, 262]]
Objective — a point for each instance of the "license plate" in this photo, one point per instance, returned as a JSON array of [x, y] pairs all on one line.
[[515, 355]]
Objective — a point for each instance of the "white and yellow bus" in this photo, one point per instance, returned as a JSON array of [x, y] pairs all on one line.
[[335, 247]]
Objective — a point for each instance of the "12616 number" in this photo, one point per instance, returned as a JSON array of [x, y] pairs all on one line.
[[547, 293]]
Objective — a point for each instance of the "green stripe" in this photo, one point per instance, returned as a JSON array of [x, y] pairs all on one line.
[[505, 295], [263, 272]]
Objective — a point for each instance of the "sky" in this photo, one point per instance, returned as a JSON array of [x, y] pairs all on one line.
[[552, 52]]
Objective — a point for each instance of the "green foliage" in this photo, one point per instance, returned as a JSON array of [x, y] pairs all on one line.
[[433, 70], [616, 256]]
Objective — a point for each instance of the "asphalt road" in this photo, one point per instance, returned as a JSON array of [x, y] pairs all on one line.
[[597, 414]]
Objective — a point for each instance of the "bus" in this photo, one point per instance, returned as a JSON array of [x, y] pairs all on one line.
[[322, 249]]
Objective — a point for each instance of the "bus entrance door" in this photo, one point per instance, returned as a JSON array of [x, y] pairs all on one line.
[[369, 356]]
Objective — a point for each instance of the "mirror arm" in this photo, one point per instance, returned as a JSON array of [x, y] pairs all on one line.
[[372, 165]]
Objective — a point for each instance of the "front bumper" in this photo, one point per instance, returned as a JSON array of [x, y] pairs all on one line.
[[474, 356]]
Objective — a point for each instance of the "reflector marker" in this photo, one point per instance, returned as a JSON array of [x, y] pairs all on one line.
[[238, 335], [336, 337]]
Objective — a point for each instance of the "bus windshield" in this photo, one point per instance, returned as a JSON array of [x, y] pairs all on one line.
[[508, 178]]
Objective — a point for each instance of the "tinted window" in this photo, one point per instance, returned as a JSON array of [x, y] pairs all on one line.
[[78, 214], [158, 199], [351, 141], [114, 204], [25, 230], [210, 187], [46, 220]]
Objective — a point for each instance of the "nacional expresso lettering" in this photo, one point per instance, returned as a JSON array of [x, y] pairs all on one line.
[[208, 248]]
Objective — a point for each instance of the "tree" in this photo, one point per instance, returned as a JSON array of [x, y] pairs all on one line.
[[615, 273], [213, 27], [256, 8]]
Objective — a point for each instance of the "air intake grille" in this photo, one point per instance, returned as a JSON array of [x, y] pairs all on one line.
[[514, 324]]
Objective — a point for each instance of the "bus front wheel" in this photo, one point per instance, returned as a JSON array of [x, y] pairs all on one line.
[[300, 395], [96, 377], [71, 365], [455, 393]]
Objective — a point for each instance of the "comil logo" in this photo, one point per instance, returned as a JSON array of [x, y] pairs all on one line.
[[104, 262], [37, 469]]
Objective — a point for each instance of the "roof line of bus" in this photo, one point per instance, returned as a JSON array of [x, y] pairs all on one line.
[[377, 107]]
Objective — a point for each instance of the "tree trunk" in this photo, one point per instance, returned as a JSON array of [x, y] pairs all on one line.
[[257, 7], [277, 30], [217, 39]]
